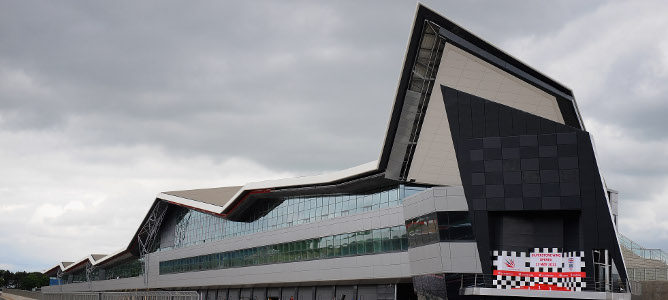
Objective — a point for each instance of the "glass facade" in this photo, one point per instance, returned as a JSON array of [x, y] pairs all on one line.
[[194, 227], [125, 269], [78, 276], [439, 226], [383, 240]]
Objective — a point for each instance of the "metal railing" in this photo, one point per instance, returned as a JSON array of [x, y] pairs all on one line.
[[592, 285], [144, 295], [637, 249]]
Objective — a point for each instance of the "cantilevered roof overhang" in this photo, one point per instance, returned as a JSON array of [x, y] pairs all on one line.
[[91, 258], [221, 201], [57, 268]]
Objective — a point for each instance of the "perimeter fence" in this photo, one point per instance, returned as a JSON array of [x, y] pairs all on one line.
[[147, 295]]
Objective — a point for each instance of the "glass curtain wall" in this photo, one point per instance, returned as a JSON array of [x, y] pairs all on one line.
[[78, 276], [194, 227], [124, 269], [383, 240]]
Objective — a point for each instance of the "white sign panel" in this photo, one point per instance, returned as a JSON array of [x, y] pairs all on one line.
[[572, 264], [512, 263], [546, 260]]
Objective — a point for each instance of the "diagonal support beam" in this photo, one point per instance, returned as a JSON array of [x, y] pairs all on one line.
[[148, 233]]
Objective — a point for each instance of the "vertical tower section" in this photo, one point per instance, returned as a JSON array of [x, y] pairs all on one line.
[[530, 183]]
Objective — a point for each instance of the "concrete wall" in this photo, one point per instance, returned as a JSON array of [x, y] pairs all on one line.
[[653, 290], [444, 257], [450, 198], [132, 283]]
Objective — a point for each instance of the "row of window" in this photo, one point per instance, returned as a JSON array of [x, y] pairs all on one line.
[[194, 227], [439, 226], [79, 276], [374, 241], [124, 269]]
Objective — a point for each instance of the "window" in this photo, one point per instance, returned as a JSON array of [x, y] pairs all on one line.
[[441, 226], [374, 241], [194, 227], [455, 226]]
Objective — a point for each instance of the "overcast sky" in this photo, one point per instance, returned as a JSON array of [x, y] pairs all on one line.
[[105, 104]]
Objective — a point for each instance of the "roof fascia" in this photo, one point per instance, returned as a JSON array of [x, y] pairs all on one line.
[[78, 263], [190, 203], [110, 256], [52, 269], [326, 178]]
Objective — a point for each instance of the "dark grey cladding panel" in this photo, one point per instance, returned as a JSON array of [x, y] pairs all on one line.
[[513, 163], [525, 166], [403, 134]]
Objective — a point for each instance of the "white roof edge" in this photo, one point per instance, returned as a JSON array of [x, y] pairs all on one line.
[[63, 267], [191, 203], [110, 256], [305, 180], [60, 265], [88, 257], [76, 262], [401, 75], [496, 47]]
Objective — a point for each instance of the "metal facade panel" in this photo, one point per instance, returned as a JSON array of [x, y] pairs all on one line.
[[559, 175]]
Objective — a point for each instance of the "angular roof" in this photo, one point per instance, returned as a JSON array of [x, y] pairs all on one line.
[[94, 259], [59, 267], [222, 200], [91, 258], [97, 257], [214, 196]]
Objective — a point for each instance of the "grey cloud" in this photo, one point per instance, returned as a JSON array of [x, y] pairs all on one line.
[[314, 82], [621, 103]]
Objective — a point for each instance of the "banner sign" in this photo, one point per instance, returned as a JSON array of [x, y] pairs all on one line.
[[542, 268]]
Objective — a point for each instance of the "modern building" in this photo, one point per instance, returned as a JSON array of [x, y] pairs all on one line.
[[487, 185]]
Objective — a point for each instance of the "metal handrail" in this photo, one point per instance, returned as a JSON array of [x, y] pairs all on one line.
[[637, 249], [485, 281]]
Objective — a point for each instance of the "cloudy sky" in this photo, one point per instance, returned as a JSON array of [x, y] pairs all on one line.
[[105, 104]]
